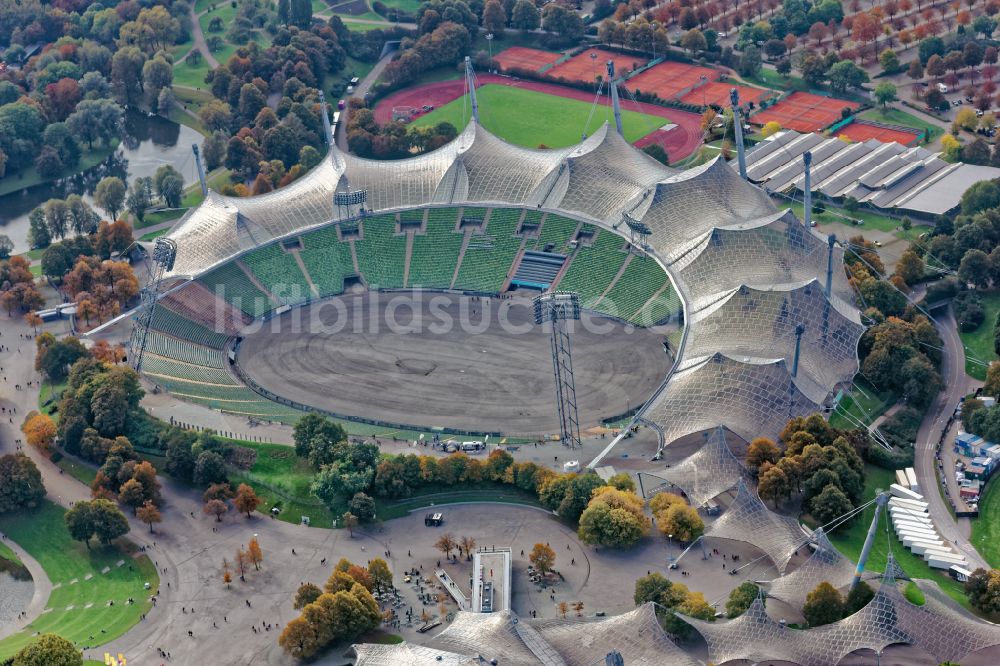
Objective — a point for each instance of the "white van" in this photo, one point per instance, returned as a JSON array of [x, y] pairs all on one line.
[[942, 88]]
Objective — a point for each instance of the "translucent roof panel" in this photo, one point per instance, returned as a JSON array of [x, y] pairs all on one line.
[[826, 564], [764, 323], [407, 654], [776, 249], [709, 471], [499, 171], [493, 635], [749, 521], [750, 397]]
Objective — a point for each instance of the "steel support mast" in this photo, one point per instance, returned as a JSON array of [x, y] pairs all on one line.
[[615, 104], [164, 253], [741, 156]]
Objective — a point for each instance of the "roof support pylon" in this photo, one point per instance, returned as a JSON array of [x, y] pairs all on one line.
[[327, 130], [741, 156], [880, 501], [615, 104], [807, 195], [470, 83], [831, 240]]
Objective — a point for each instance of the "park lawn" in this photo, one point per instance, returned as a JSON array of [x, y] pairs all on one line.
[[42, 533], [873, 220], [865, 404], [224, 11], [205, 5], [153, 235], [365, 16], [410, 6], [159, 217], [361, 26], [769, 78], [7, 554], [978, 344], [850, 538], [485, 491], [191, 76], [78, 469], [15, 181], [50, 390], [986, 528], [193, 195], [529, 118], [282, 479], [897, 117]]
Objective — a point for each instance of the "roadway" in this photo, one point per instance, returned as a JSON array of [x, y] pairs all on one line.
[[956, 385]]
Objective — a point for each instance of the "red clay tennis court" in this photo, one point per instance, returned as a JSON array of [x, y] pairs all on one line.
[[804, 112], [717, 93], [863, 131], [670, 79], [522, 57], [582, 67]]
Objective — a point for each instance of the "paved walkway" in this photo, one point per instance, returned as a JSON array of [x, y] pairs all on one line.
[[42, 585], [199, 39], [957, 384], [360, 91]]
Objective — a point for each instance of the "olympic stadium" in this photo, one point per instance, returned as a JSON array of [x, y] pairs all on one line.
[[722, 317]]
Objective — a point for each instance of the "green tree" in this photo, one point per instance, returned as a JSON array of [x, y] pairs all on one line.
[[350, 521], [48, 164], [910, 267], [845, 74], [169, 185], [681, 521], [132, 494], [858, 598], [20, 483], [110, 195], [95, 120], [750, 61], [975, 268], [889, 61], [829, 504], [740, 599], [494, 18], [885, 92], [126, 75], [209, 468], [525, 15], [38, 231], [157, 74], [138, 200], [49, 650], [824, 605], [362, 506], [980, 196], [213, 149], [694, 41], [300, 13], [622, 481]]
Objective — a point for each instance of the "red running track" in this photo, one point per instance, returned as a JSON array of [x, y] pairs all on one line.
[[679, 142]]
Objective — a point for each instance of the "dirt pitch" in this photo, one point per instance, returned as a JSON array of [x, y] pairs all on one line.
[[862, 131], [523, 57], [670, 79], [405, 359], [804, 112], [583, 67]]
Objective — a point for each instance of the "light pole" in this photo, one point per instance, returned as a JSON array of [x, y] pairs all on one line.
[[489, 40]]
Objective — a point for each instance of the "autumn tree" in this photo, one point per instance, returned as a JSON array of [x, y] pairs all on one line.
[[39, 430], [242, 560], [543, 558], [216, 508], [48, 650], [246, 499], [613, 518], [446, 543], [305, 595], [149, 514], [466, 544], [761, 450], [740, 599], [350, 522], [132, 495], [681, 521], [254, 553]]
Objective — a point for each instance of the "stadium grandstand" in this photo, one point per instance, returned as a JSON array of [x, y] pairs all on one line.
[[480, 216]]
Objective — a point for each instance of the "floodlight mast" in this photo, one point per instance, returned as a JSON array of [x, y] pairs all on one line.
[[807, 195], [556, 307], [164, 253], [615, 104], [734, 97]]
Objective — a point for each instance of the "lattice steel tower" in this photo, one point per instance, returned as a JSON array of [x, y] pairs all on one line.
[[557, 307], [164, 253]]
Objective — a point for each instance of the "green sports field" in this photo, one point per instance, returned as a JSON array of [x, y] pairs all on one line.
[[83, 589], [530, 118]]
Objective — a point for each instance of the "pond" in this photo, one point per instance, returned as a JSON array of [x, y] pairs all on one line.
[[15, 595], [147, 142]]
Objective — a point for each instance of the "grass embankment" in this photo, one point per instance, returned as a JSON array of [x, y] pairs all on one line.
[[85, 582], [865, 404], [281, 479], [7, 554], [524, 117], [978, 344], [872, 220], [986, 528], [902, 118], [159, 217], [849, 539]]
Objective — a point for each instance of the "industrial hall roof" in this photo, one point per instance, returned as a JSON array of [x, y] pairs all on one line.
[[886, 175]]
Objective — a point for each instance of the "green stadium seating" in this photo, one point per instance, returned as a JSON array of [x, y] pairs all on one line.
[[488, 256], [557, 230], [665, 305], [168, 347], [159, 366], [278, 271], [327, 259], [173, 324], [642, 278], [435, 253], [381, 254], [412, 216], [238, 289], [594, 267]]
